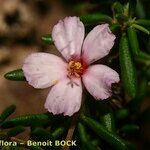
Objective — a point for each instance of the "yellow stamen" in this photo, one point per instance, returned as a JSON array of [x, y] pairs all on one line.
[[55, 82], [75, 68]]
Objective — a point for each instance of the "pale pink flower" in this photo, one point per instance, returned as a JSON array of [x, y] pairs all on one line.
[[65, 76]]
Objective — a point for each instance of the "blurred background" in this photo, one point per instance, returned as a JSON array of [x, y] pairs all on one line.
[[22, 24]]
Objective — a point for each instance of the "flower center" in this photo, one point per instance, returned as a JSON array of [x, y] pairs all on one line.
[[75, 68]]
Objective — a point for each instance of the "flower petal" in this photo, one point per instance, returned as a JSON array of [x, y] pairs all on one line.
[[98, 79], [98, 43], [65, 97], [43, 70], [68, 35]]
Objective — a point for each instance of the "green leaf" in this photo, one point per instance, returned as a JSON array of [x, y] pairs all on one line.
[[143, 58], [142, 88], [115, 27], [108, 121], [128, 72], [15, 131], [59, 127], [47, 39], [58, 132], [96, 142], [135, 104], [121, 113], [115, 141], [143, 22], [140, 10], [40, 134], [141, 28], [28, 120], [145, 62], [144, 55], [129, 128], [82, 133], [7, 112], [84, 138], [133, 41], [95, 18], [121, 18], [15, 75], [118, 8], [132, 7]]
